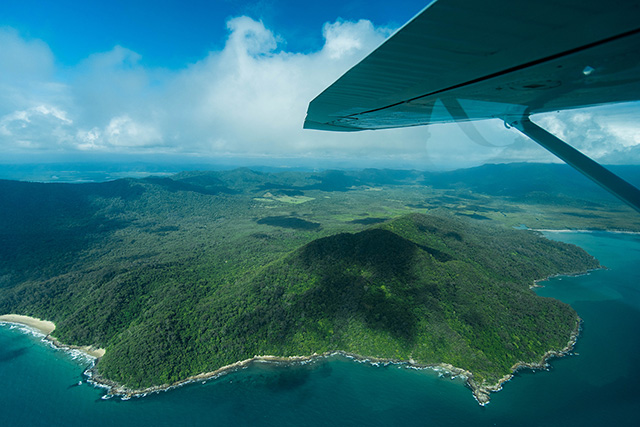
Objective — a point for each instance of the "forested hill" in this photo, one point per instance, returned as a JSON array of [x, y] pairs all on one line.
[[180, 275], [419, 287]]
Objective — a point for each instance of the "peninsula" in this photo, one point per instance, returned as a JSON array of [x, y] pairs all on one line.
[[176, 277]]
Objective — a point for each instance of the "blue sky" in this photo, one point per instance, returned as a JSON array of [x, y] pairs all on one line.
[[172, 34], [208, 80]]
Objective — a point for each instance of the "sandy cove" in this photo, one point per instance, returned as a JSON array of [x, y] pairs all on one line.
[[46, 328]]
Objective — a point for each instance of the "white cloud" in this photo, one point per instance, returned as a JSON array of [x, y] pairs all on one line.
[[626, 134], [345, 38], [53, 111], [599, 132], [249, 37], [89, 139], [39, 127], [26, 74], [23, 60], [251, 98], [122, 131], [248, 99]]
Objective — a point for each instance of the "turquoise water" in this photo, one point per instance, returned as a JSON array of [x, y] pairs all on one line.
[[598, 386]]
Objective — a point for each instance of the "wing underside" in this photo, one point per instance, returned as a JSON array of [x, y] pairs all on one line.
[[461, 60]]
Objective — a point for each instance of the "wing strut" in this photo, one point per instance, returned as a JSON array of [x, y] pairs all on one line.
[[591, 169]]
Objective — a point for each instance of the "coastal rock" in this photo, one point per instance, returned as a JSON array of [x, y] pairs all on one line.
[[482, 392]]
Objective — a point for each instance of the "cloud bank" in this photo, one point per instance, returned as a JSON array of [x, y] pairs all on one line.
[[246, 100]]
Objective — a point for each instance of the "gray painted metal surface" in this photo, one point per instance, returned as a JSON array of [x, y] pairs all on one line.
[[470, 60], [461, 60]]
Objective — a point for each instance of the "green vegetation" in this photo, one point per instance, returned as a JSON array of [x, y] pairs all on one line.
[[182, 275]]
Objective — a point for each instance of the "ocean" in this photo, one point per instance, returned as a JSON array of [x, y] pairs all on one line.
[[597, 385]]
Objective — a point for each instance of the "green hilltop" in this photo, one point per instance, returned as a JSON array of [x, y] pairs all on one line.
[[418, 287], [181, 275]]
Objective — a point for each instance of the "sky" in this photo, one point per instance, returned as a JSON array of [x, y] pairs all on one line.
[[227, 79]]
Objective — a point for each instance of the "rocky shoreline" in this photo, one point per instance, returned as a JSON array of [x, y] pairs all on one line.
[[481, 391], [115, 389], [89, 350], [536, 283]]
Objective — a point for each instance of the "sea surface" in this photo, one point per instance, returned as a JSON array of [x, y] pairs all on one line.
[[598, 385]]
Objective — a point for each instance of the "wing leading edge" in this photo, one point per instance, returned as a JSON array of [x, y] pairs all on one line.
[[460, 61]]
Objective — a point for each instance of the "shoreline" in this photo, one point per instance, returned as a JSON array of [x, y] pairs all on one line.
[[569, 230], [115, 389], [46, 328], [579, 230], [536, 283], [481, 391]]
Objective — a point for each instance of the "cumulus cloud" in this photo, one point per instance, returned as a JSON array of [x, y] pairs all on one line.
[[120, 133], [27, 76], [39, 127], [23, 60], [247, 99], [345, 38], [610, 134]]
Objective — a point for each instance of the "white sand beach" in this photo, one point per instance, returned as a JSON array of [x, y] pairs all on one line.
[[46, 327]]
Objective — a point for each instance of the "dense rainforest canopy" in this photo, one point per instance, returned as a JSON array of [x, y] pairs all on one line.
[[180, 275]]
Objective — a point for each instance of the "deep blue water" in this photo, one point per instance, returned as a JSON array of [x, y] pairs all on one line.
[[598, 386]]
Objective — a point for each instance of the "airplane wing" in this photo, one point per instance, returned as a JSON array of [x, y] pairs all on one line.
[[461, 60]]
